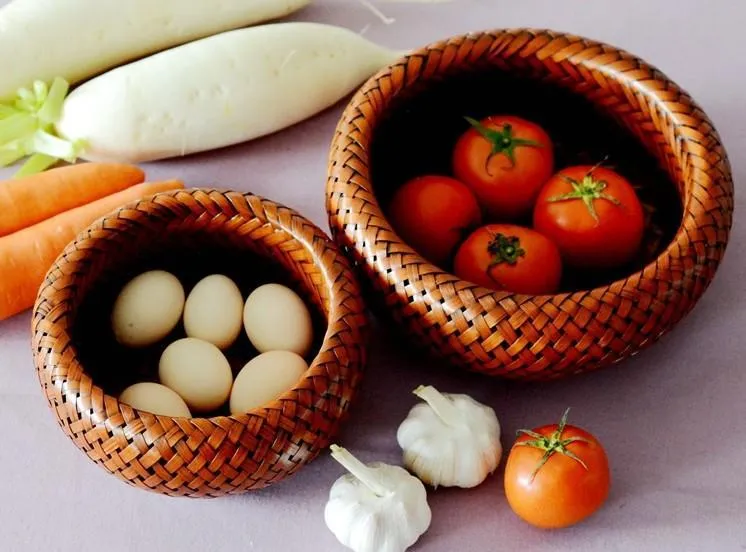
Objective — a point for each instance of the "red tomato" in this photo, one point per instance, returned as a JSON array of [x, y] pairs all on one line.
[[556, 475], [593, 215], [505, 160], [432, 214], [510, 258]]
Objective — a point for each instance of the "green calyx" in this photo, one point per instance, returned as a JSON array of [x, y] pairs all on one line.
[[588, 190], [27, 129], [505, 249], [502, 141], [552, 444]]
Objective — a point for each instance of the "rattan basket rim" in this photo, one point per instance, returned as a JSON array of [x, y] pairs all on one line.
[[333, 317]]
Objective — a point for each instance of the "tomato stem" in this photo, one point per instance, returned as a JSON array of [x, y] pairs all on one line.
[[552, 444], [587, 190], [502, 141], [505, 249]]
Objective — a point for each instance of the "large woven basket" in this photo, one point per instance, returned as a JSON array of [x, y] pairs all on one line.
[[601, 101], [193, 233]]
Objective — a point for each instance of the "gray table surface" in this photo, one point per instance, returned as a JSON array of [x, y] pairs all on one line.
[[673, 419]]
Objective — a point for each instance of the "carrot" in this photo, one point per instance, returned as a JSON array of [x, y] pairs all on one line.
[[31, 199], [27, 255]]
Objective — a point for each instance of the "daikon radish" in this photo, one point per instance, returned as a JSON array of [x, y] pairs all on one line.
[[218, 91], [77, 39], [214, 92]]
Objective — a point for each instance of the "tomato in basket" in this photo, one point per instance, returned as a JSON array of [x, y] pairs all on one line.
[[432, 214], [505, 160], [593, 215], [512, 258]]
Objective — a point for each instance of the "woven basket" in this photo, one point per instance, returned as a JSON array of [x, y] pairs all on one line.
[[193, 233], [600, 101]]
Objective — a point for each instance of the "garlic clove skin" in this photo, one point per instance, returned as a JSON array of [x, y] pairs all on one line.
[[391, 520], [454, 444]]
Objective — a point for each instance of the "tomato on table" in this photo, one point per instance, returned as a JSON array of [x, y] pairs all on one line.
[[556, 475], [593, 215], [432, 214], [507, 257], [505, 160]]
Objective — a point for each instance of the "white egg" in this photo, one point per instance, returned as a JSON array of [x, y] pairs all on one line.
[[264, 378], [213, 311], [276, 319], [198, 371], [156, 399], [147, 309]]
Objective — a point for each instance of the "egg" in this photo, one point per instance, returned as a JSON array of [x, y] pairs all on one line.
[[156, 399], [213, 311], [147, 308], [264, 378], [198, 371], [276, 319]]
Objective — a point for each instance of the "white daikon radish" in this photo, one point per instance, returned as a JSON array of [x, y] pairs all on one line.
[[77, 39], [214, 92]]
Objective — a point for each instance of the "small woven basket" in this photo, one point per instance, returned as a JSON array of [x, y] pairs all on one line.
[[597, 100], [194, 233]]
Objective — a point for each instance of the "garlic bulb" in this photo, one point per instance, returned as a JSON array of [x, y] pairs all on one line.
[[376, 507], [450, 440]]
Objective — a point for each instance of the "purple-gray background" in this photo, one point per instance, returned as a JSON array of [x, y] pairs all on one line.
[[673, 419]]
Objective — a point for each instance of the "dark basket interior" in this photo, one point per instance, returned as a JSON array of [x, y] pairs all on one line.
[[418, 132], [190, 256]]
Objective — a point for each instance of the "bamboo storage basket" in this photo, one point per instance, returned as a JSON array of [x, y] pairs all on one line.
[[535, 337], [200, 456]]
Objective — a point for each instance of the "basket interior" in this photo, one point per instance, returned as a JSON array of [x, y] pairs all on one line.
[[418, 131], [190, 254]]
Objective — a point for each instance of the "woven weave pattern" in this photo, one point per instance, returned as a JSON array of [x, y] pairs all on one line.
[[201, 457], [524, 337]]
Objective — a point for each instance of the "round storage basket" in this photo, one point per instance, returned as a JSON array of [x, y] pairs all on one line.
[[598, 100]]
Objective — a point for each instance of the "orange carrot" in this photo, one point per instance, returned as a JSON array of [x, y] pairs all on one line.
[[26, 201], [27, 255]]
